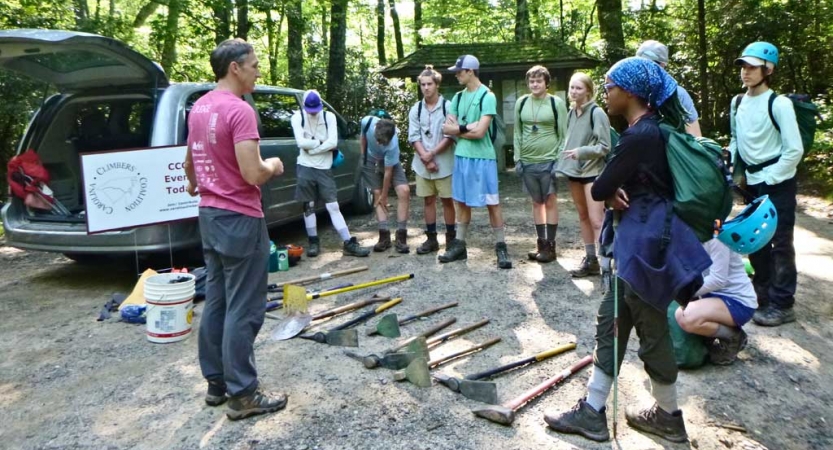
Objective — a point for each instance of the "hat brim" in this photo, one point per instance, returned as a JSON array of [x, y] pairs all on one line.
[[455, 69], [751, 60], [313, 109]]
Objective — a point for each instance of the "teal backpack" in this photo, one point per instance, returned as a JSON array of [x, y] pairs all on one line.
[[614, 135], [690, 350]]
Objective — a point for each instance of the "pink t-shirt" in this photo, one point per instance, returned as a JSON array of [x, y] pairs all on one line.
[[217, 121]]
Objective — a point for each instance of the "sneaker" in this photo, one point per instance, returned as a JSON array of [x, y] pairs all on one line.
[[589, 266], [581, 419], [655, 420], [401, 244], [455, 251], [352, 248], [314, 247], [771, 316], [254, 404], [430, 245], [502, 253], [533, 255], [723, 352], [384, 241], [216, 394], [548, 253]]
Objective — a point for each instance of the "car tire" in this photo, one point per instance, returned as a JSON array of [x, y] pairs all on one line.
[[362, 202]]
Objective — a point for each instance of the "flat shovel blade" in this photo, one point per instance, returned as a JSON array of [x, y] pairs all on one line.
[[397, 361], [388, 326], [418, 373], [343, 338], [289, 327], [481, 391]]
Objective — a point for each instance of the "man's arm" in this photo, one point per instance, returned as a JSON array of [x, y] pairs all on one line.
[[303, 142], [792, 148], [478, 129], [253, 169], [190, 173], [332, 135]]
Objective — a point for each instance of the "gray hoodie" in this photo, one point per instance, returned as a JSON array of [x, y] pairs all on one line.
[[592, 144]]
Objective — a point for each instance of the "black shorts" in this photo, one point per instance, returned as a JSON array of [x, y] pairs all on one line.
[[315, 184], [582, 180]]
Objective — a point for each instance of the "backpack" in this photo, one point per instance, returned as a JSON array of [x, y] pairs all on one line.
[[497, 128], [419, 108], [552, 104], [702, 182], [805, 114], [690, 351], [614, 135]]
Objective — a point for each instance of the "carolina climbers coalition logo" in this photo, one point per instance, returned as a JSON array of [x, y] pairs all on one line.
[[116, 187]]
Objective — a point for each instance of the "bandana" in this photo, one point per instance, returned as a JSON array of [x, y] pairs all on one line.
[[644, 79]]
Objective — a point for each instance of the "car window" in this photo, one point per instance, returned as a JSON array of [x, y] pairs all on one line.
[[275, 111], [189, 103], [340, 122]]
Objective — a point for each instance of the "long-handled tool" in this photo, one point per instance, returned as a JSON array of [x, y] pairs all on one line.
[[290, 326], [485, 391], [388, 326], [296, 298], [390, 359], [278, 287], [276, 302], [418, 371], [345, 336], [504, 414]]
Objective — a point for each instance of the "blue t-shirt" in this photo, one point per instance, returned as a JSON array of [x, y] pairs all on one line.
[[688, 104], [376, 152]]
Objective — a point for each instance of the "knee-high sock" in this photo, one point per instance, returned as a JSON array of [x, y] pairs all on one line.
[[310, 222], [338, 221], [598, 389], [665, 395]]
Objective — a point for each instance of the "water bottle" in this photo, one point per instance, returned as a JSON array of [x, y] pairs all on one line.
[[273, 257]]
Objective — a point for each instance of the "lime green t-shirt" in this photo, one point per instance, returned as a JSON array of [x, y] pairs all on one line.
[[467, 109], [536, 138]]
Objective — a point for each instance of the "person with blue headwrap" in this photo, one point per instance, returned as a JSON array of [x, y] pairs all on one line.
[[658, 257]]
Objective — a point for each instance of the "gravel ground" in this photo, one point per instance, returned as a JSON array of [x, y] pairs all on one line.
[[67, 381]]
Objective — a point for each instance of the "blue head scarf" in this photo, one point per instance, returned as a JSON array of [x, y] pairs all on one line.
[[644, 79]]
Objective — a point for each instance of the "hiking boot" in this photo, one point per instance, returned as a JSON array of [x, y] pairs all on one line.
[[533, 255], [723, 352], [352, 248], [254, 404], [581, 419], [314, 247], [548, 253], [772, 316], [589, 266], [454, 251], [655, 420], [430, 245], [402, 241], [216, 394], [384, 241], [502, 253], [450, 236]]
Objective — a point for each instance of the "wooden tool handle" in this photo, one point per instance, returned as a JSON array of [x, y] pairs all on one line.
[[532, 359], [444, 324], [555, 351], [388, 305], [453, 333], [360, 286], [322, 276], [349, 307], [519, 401], [427, 312], [438, 361]]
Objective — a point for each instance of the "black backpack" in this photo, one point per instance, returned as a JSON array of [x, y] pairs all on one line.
[[419, 108], [552, 104], [493, 130]]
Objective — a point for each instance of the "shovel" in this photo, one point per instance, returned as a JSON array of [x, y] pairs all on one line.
[[417, 371], [373, 361], [388, 326], [290, 326], [486, 392], [307, 280], [504, 414], [343, 335], [296, 298]]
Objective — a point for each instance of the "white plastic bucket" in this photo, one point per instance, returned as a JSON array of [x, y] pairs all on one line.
[[170, 306]]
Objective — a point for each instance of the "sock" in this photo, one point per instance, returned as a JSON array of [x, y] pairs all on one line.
[[724, 332], [541, 229], [665, 395], [383, 225], [403, 225], [499, 237], [338, 221], [552, 228], [431, 227], [462, 229], [450, 228], [598, 388], [590, 250], [311, 226]]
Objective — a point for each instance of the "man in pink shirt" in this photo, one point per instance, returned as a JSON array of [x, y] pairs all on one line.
[[223, 163]]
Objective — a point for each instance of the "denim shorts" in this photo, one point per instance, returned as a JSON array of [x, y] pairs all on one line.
[[740, 313], [474, 182]]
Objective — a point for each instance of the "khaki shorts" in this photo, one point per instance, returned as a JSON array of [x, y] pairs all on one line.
[[429, 188]]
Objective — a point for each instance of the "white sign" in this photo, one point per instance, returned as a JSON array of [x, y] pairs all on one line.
[[126, 189]]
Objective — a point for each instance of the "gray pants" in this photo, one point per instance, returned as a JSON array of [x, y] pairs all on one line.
[[236, 249]]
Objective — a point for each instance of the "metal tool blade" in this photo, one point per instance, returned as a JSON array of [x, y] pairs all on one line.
[[289, 327], [481, 391], [388, 326], [343, 338]]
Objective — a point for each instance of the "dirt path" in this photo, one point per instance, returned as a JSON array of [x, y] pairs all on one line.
[[67, 381]]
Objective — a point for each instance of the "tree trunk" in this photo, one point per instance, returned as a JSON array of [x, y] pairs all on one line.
[[521, 21], [144, 13], [295, 44], [588, 28], [561, 19], [324, 25], [397, 33], [273, 39], [243, 19], [705, 109], [417, 23], [171, 34], [336, 67], [222, 19], [82, 13], [610, 29], [380, 32]]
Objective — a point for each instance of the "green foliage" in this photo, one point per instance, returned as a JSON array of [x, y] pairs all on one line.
[[816, 166]]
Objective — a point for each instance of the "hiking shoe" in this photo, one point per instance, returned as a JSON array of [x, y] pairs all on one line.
[[581, 419], [216, 394], [401, 244], [548, 253], [655, 420], [254, 404], [454, 251], [352, 248], [430, 245], [771, 316], [384, 241], [502, 253], [314, 247], [723, 352], [589, 266], [533, 255]]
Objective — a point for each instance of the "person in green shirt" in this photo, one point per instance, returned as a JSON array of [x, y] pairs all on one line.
[[540, 127]]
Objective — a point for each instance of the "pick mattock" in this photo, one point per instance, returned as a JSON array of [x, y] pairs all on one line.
[[418, 371], [307, 280], [485, 391], [290, 326], [345, 336], [396, 361], [504, 414], [388, 325]]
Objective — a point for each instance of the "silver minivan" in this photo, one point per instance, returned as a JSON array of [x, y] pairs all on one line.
[[110, 97]]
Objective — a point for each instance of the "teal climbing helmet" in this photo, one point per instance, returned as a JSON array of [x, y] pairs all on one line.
[[752, 229], [763, 51], [338, 159]]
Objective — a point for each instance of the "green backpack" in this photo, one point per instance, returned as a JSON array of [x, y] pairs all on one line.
[[690, 350], [702, 182], [614, 135]]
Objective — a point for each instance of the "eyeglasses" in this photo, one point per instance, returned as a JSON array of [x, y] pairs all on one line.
[[609, 86]]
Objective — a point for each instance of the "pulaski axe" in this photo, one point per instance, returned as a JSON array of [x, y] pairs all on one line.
[[343, 335], [418, 370], [391, 359], [388, 325]]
